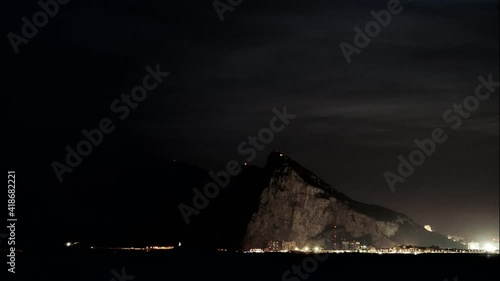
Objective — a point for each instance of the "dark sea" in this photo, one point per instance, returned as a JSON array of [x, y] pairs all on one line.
[[171, 265]]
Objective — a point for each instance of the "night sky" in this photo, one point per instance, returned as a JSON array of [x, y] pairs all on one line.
[[353, 120]]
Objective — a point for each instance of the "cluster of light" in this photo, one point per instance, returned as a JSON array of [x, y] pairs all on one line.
[[474, 246], [255, 251], [488, 247], [483, 246], [158, 247], [307, 249], [128, 248], [69, 244]]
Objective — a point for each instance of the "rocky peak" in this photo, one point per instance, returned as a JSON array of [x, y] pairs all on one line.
[[296, 205], [282, 166]]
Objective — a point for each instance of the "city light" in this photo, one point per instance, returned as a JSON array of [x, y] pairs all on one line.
[[275, 246], [69, 244], [488, 247]]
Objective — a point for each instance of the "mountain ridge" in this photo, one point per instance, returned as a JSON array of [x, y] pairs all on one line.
[[297, 205]]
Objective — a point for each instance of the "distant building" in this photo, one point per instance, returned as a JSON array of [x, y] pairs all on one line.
[[473, 246], [273, 246], [288, 245], [428, 228], [334, 239], [490, 247], [256, 251], [345, 245]]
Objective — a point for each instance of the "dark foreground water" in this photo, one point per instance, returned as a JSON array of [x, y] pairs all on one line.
[[99, 265]]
